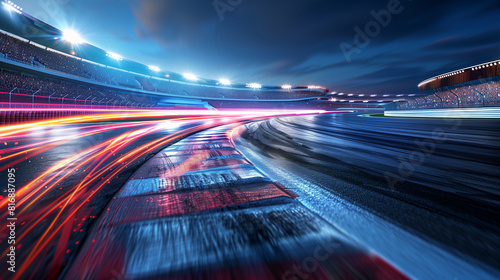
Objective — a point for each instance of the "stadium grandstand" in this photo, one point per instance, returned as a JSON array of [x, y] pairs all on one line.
[[472, 87], [43, 66]]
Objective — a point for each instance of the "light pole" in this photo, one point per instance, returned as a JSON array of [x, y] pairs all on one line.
[[99, 102], [10, 97], [458, 99], [51, 96], [33, 99], [62, 100], [76, 99], [86, 100]]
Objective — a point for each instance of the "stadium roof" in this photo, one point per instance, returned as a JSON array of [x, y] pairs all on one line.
[[476, 72], [25, 26]]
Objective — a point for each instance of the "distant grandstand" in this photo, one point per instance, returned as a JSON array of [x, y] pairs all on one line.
[[41, 68], [476, 86], [45, 61]]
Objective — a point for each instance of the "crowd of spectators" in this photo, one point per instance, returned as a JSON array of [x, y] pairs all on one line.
[[24, 86], [481, 95], [24, 52]]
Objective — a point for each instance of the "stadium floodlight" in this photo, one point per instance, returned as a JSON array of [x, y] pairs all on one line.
[[225, 82], [11, 7], [314, 87], [361, 95], [286, 86], [72, 37], [254, 85], [114, 56], [154, 68], [190, 76], [350, 94]]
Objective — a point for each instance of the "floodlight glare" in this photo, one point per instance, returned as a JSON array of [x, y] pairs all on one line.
[[72, 37], [189, 76], [286, 86], [154, 68], [313, 87], [225, 82], [11, 7], [254, 85], [114, 56]]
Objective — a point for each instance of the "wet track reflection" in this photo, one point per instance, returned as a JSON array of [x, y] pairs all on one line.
[[322, 196], [423, 193], [199, 209], [67, 171]]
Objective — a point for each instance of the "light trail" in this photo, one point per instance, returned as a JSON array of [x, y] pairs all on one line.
[[45, 211]]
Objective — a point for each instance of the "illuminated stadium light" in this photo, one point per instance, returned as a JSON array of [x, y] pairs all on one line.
[[373, 95], [11, 7], [114, 56], [351, 101], [154, 68], [314, 87], [385, 95], [72, 37], [225, 82], [361, 95], [350, 94], [189, 76], [341, 93], [254, 85], [286, 86], [365, 101], [380, 101]]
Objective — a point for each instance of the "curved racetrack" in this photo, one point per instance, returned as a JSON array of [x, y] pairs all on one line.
[[423, 193]]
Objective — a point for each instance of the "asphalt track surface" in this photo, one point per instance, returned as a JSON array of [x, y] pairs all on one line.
[[423, 193], [339, 175], [68, 170]]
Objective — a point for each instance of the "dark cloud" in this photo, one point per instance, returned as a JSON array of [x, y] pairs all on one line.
[[298, 41], [274, 40]]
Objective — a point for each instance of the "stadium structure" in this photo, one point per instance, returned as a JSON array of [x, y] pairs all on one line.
[[122, 170], [477, 86], [42, 66]]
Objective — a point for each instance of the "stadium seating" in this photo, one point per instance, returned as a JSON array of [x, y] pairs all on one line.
[[481, 95], [24, 52]]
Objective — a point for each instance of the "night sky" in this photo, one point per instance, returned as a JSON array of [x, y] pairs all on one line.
[[296, 42]]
